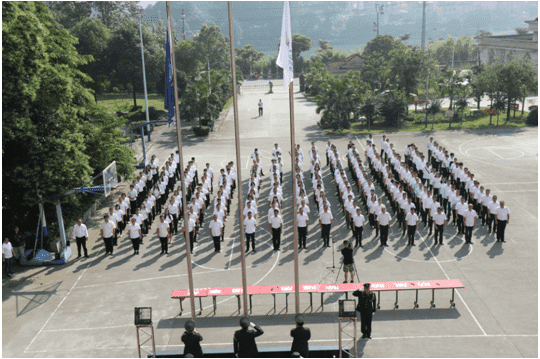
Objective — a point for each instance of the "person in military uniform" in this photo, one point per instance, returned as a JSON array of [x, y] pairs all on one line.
[[244, 339], [366, 306], [301, 336], [192, 340]]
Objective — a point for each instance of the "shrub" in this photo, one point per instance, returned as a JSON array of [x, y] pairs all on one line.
[[532, 118], [201, 131]]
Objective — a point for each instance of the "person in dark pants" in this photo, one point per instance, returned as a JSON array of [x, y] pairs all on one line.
[[301, 336], [250, 224], [276, 226], [366, 306], [8, 256], [134, 233], [192, 340], [260, 107], [81, 236], [502, 218], [383, 222], [107, 233], [163, 234], [303, 223], [216, 231], [412, 223], [348, 261], [326, 220], [440, 225], [244, 339]]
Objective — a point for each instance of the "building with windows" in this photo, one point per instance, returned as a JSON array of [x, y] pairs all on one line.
[[509, 47], [351, 63]]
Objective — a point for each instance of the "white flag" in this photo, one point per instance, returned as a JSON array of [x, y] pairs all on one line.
[[284, 59]]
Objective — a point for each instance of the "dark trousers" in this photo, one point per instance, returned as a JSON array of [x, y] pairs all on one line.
[[411, 230], [8, 263], [501, 226], [384, 235], [81, 241], [302, 234], [358, 235], [217, 243], [468, 234], [276, 238], [108, 244], [439, 228], [326, 234], [191, 240], [260, 111], [491, 222], [164, 244], [484, 214], [250, 237], [365, 318], [175, 224], [135, 242], [460, 223]]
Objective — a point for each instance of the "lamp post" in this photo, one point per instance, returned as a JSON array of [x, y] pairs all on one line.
[[378, 9], [209, 85], [144, 82]]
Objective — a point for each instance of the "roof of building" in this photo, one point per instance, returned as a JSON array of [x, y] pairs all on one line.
[[352, 61]]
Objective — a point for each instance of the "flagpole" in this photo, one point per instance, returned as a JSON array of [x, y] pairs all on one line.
[[238, 172], [181, 164]]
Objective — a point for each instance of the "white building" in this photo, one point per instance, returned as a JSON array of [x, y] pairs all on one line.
[[508, 47]]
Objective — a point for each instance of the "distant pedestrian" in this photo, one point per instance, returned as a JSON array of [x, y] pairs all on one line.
[[81, 236], [18, 243], [260, 107], [244, 339], [192, 340], [301, 336], [7, 257]]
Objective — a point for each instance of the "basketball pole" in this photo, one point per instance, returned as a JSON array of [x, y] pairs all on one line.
[[181, 164], [238, 173]]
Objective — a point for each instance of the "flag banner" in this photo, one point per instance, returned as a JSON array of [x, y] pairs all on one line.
[[169, 90], [43, 221], [284, 59]]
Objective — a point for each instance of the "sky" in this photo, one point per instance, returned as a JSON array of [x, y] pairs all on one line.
[[144, 4]]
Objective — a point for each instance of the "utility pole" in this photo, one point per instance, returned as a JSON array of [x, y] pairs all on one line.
[[424, 27], [183, 17]]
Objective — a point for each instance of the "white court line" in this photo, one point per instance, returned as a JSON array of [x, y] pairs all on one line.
[[230, 258], [247, 164], [447, 277], [360, 143], [496, 154], [289, 341], [52, 314], [100, 328]]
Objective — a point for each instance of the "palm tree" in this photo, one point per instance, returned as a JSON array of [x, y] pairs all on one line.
[[461, 104], [393, 106], [434, 108], [370, 108]]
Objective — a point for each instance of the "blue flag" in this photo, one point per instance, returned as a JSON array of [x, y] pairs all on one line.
[[169, 90]]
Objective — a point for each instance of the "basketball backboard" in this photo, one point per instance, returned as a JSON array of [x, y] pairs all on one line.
[[110, 178]]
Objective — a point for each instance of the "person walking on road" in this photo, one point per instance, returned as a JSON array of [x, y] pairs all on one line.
[[301, 336], [260, 107], [81, 236], [367, 306], [244, 339]]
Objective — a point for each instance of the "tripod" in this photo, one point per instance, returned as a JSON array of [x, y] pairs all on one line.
[[333, 258], [355, 271]]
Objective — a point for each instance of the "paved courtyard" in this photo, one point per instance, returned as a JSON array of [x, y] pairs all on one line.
[[85, 308]]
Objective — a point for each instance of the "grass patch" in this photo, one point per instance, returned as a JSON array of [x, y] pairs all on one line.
[[310, 97], [416, 122], [228, 103], [124, 102]]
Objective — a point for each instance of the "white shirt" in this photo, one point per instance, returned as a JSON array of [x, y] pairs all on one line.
[[134, 230], [250, 225], [326, 217], [107, 228], [251, 209], [80, 231], [302, 219], [492, 206], [215, 228], [162, 228], [439, 218], [220, 214], [271, 213], [275, 221], [358, 220], [502, 213], [469, 217], [411, 219], [7, 250], [462, 208], [383, 218], [260, 104]]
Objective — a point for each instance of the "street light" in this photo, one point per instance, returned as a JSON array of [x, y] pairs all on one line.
[[183, 17], [209, 85], [378, 10]]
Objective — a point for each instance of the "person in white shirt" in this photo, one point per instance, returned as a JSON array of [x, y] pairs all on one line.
[[492, 212], [485, 199], [114, 219], [303, 227], [358, 223], [250, 223], [440, 224], [502, 218], [325, 222], [216, 231], [412, 221], [174, 211], [276, 227], [107, 234], [8, 254], [383, 222], [470, 221], [163, 234], [134, 233], [260, 107], [80, 232], [461, 208], [191, 231]]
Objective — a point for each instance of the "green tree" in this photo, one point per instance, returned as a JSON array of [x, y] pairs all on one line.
[[434, 108], [212, 46], [69, 13], [316, 76], [93, 37], [376, 71], [370, 108], [246, 57], [406, 65], [393, 106], [324, 45], [300, 43], [383, 46]]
